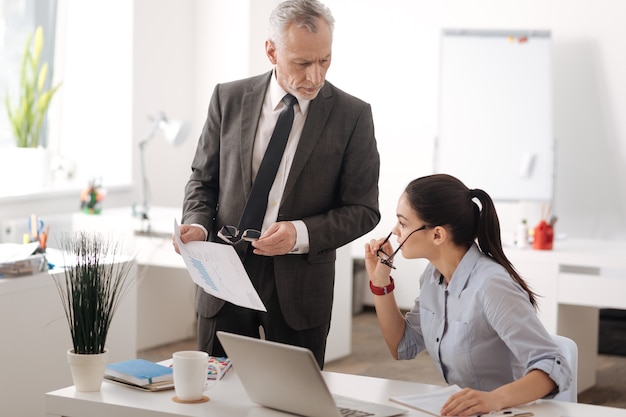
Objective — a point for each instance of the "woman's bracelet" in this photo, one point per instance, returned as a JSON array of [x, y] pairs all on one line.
[[382, 290]]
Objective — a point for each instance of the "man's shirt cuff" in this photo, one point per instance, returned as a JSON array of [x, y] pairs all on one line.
[[302, 238]]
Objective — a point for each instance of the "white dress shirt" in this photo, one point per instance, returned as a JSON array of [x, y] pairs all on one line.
[[272, 106]]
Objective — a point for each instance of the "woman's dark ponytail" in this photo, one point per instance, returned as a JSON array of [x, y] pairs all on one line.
[[444, 200]]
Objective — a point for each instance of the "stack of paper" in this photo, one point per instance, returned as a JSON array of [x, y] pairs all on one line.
[[432, 403], [19, 260]]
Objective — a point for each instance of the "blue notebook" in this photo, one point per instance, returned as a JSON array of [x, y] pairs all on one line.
[[139, 371]]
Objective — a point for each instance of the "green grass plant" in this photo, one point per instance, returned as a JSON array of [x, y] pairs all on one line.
[[97, 278]]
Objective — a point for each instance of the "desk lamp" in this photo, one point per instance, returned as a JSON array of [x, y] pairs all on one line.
[[175, 132]]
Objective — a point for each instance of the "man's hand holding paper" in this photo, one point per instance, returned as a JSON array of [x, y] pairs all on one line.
[[219, 271]]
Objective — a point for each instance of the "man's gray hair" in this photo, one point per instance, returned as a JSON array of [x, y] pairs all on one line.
[[301, 12]]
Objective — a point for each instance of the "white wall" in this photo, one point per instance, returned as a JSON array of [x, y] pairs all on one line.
[[182, 49], [387, 53], [165, 53]]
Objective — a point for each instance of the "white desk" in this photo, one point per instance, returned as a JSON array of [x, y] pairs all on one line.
[[228, 399], [35, 337]]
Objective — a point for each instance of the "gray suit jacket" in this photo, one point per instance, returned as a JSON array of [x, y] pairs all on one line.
[[332, 187]]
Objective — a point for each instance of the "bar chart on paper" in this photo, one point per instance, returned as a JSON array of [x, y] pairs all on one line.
[[217, 269]]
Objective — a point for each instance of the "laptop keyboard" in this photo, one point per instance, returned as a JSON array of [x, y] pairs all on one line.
[[349, 412]]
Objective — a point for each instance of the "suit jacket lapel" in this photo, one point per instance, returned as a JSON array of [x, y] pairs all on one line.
[[250, 111], [319, 111]]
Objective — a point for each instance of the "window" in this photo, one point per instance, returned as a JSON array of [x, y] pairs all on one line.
[[18, 19], [89, 123], [91, 126]]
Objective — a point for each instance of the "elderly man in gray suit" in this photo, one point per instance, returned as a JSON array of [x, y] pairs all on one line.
[[323, 196]]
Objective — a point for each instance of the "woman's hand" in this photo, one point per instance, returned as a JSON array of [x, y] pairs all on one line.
[[378, 272], [469, 402], [532, 386]]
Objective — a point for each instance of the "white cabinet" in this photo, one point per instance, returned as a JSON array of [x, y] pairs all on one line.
[[575, 280], [35, 338]]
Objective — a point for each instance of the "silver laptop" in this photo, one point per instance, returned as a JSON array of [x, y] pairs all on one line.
[[287, 378]]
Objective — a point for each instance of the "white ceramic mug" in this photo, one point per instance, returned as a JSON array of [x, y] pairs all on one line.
[[190, 374]]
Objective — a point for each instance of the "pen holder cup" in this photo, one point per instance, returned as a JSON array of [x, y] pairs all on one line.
[[543, 236]]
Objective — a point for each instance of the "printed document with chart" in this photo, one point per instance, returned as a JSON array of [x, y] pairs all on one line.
[[219, 271]]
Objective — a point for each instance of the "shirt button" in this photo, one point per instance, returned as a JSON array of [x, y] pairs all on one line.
[[437, 340]]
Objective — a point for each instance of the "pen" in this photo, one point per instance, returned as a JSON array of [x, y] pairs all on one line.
[[507, 413]]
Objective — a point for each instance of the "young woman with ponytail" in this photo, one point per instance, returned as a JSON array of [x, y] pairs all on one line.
[[475, 315]]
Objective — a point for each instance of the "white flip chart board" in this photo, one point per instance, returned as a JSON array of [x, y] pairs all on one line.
[[495, 112]]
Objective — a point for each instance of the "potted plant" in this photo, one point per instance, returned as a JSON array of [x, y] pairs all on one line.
[[95, 281], [27, 115]]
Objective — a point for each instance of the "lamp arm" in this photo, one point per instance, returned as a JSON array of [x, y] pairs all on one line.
[[144, 180], [153, 130], [142, 159], [175, 131]]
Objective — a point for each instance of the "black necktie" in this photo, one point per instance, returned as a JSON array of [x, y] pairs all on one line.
[[253, 214]]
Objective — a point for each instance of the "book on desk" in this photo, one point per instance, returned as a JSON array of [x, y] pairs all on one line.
[[215, 363], [140, 373], [156, 386]]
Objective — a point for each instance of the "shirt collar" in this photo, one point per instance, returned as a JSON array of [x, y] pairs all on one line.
[[462, 273], [277, 93]]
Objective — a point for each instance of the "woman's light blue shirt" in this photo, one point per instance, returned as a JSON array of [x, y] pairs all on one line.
[[481, 330]]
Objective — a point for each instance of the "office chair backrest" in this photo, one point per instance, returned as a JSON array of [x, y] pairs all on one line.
[[570, 351]]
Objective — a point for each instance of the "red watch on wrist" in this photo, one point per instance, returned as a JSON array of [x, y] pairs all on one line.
[[382, 290]]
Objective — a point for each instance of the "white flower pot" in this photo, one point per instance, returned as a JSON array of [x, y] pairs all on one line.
[[87, 370]]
